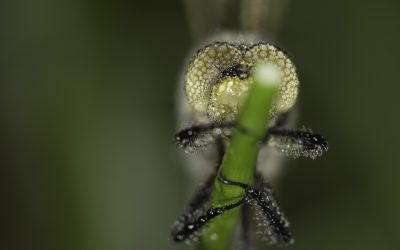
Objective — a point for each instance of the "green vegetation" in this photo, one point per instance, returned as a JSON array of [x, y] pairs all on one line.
[[240, 158]]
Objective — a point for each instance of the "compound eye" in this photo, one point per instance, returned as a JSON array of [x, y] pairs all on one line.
[[205, 70], [288, 90]]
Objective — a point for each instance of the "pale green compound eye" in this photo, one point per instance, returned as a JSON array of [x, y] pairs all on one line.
[[218, 78]]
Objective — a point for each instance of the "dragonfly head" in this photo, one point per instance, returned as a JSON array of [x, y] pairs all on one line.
[[218, 79]]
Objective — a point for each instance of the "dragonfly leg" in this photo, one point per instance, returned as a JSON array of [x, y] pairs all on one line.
[[295, 143], [191, 137], [188, 228], [278, 225], [264, 201], [195, 208]]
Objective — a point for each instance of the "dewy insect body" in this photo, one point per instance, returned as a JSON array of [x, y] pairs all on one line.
[[216, 85]]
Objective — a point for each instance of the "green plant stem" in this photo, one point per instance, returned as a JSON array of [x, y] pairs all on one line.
[[239, 163]]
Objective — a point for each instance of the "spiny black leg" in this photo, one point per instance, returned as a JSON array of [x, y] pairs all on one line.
[[295, 143], [305, 136], [196, 206], [189, 228], [264, 200], [198, 136]]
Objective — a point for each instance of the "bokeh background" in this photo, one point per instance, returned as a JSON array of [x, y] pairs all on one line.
[[87, 117]]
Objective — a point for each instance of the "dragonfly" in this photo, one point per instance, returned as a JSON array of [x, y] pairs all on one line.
[[216, 82]]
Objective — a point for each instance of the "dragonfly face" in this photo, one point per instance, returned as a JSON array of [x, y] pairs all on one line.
[[219, 77]]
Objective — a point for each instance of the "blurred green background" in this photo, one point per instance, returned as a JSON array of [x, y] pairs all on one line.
[[87, 117]]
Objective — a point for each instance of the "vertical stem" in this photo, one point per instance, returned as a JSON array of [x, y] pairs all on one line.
[[240, 158]]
